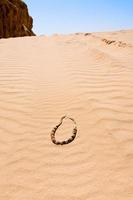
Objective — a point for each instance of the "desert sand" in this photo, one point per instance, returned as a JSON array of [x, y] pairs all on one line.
[[86, 76]]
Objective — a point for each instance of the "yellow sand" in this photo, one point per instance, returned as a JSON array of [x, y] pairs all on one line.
[[42, 79]]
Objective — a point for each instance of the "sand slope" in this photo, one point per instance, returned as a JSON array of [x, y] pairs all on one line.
[[83, 76]]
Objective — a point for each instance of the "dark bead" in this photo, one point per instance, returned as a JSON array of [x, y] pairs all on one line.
[[64, 142], [54, 129], [54, 141], [58, 143], [69, 140], [73, 136], [74, 132]]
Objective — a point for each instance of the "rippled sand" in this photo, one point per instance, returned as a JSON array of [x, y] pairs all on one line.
[[84, 76]]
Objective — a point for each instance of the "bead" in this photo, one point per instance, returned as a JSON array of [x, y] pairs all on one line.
[[74, 132], [73, 136], [54, 141], [64, 142], [57, 143], [69, 140], [54, 129]]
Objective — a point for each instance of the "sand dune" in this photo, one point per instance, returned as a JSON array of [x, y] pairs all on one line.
[[84, 77]]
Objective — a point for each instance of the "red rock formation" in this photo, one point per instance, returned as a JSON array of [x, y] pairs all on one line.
[[14, 19]]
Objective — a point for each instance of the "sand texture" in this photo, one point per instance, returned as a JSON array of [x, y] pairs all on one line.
[[88, 77]]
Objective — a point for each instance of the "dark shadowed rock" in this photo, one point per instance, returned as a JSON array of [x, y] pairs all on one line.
[[14, 19]]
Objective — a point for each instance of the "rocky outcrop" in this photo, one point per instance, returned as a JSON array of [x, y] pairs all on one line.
[[14, 19]]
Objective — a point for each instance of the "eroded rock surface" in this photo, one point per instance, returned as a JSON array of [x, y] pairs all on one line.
[[14, 19]]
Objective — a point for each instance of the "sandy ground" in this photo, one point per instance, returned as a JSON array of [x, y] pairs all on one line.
[[86, 76]]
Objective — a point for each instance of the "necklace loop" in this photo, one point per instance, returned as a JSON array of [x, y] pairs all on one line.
[[57, 126]]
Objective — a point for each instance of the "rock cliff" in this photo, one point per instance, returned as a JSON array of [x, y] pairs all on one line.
[[14, 19]]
